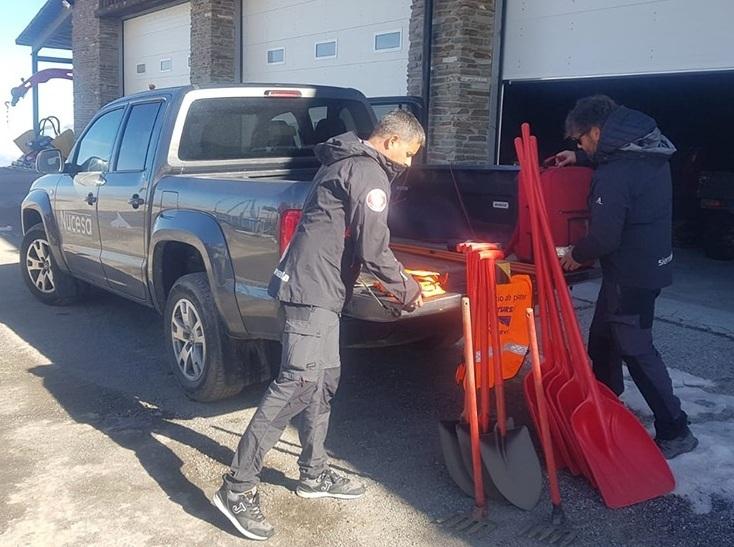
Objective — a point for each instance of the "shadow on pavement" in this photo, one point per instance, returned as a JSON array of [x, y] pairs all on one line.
[[108, 369]]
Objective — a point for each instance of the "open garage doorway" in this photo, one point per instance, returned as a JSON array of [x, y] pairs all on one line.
[[695, 110]]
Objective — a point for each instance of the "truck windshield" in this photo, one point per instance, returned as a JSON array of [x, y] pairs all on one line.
[[231, 128]]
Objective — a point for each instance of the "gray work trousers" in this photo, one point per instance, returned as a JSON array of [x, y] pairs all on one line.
[[308, 379]]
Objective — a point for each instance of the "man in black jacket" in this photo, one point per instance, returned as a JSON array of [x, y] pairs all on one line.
[[630, 234], [343, 229]]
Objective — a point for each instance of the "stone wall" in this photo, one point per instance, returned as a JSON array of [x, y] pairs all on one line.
[[214, 41], [96, 45], [461, 67]]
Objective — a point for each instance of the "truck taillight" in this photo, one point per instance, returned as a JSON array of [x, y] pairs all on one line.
[[289, 220], [712, 204], [282, 93]]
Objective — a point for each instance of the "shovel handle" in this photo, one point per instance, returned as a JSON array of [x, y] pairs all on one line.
[[545, 436], [471, 399], [494, 332]]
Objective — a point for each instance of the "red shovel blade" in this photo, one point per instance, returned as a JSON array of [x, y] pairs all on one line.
[[626, 465], [559, 444]]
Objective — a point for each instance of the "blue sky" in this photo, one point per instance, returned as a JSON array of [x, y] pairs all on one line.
[[55, 96]]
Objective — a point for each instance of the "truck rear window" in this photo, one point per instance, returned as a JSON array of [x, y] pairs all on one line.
[[231, 128]]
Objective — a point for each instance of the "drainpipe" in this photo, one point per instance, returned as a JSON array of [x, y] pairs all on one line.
[[495, 82], [426, 68]]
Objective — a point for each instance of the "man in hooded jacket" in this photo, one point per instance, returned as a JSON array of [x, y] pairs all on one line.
[[630, 235], [343, 229]]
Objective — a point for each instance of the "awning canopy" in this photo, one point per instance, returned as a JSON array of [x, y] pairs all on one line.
[[50, 28]]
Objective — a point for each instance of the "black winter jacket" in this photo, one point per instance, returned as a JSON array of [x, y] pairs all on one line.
[[343, 228], [630, 203]]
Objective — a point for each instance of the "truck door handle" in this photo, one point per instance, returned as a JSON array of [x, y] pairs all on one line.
[[90, 199], [136, 201]]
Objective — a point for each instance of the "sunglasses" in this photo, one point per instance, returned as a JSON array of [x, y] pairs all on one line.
[[576, 141]]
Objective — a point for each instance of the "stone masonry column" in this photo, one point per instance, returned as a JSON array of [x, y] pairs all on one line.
[[97, 61], [214, 41], [460, 77]]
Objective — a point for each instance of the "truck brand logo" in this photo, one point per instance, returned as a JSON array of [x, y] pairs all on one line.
[[501, 204], [76, 223]]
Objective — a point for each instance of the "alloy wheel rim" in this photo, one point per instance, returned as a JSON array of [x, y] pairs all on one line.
[[187, 337], [38, 265]]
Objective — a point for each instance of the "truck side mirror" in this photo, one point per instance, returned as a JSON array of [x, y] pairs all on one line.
[[49, 161]]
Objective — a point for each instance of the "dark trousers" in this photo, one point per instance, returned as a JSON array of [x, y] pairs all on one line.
[[621, 331], [308, 379]]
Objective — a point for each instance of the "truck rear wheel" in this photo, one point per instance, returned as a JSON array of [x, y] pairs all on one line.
[[40, 272], [203, 357]]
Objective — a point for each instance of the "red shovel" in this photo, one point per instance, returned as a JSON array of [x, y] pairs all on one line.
[[627, 466]]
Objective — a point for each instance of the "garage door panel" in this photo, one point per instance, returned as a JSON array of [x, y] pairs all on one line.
[[600, 38], [267, 21], [297, 28], [148, 39]]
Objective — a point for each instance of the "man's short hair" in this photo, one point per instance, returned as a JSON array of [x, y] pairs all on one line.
[[589, 112], [401, 123]]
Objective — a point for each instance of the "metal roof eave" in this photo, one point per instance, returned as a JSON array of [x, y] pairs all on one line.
[[49, 28]]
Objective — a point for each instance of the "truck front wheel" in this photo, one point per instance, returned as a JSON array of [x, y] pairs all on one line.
[[40, 272], [203, 358]]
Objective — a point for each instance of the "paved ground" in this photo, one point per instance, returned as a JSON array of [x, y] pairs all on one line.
[[100, 447]]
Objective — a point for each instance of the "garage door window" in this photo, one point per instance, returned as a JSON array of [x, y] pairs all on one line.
[[276, 56], [388, 41], [233, 128], [326, 50], [166, 65], [136, 138]]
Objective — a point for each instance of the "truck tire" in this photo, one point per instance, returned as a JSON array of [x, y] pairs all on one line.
[[202, 356], [40, 272]]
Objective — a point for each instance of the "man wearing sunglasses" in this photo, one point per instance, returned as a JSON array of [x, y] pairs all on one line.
[[630, 235]]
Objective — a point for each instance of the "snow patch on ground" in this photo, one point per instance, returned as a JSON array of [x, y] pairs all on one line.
[[708, 471]]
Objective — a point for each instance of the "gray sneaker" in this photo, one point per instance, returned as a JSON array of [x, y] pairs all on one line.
[[243, 510], [330, 484], [683, 443]]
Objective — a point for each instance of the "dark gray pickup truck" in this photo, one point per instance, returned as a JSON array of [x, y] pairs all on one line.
[[183, 199]]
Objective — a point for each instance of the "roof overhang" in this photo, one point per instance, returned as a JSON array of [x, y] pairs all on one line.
[[49, 28]]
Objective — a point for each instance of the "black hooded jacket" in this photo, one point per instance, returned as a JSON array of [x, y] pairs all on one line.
[[630, 203], [343, 228]]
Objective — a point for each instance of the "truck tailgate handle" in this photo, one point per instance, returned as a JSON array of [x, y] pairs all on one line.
[[136, 201]]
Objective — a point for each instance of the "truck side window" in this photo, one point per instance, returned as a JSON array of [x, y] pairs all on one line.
[[95, 148], [136, 138]]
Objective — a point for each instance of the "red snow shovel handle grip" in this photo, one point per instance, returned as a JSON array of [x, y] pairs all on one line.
[[476, 457]]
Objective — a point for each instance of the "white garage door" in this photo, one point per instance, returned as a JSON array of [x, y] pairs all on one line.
[[349, 43], [586, 38], [156, 49]]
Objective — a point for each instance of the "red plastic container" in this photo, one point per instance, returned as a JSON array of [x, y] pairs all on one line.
[[566, 190]]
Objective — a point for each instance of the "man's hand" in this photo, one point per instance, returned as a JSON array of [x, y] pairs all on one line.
[[568, 263], [562, 159], [417, 303]]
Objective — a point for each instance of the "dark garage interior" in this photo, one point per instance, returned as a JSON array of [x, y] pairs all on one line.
[[695, 110]]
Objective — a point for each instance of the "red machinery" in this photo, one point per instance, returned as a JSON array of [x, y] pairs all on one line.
[[40, 77]]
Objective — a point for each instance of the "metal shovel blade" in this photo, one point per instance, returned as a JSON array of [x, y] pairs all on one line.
[[513, 465], [462, 434], [453, 458]]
